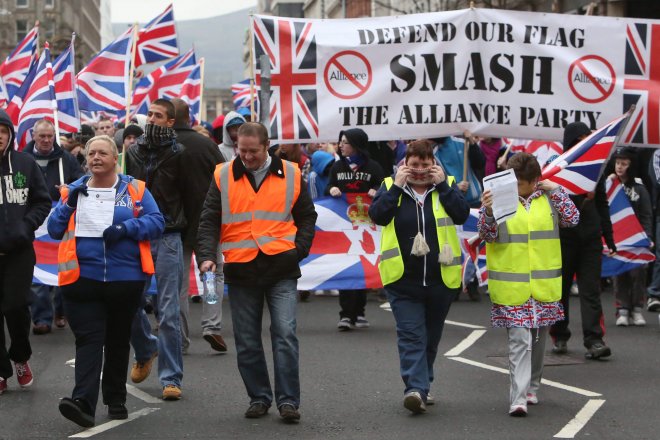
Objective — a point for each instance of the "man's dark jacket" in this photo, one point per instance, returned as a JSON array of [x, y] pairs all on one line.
[[49, 165], [264, 269], [165, 171]]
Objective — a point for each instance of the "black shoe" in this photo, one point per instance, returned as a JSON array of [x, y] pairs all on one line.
[[560, 347], [473, 291], [76, 411], [598, 350], [289, 413], [256, 410], [117, 412]]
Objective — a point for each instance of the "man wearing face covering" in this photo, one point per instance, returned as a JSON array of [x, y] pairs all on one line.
[[160, 161]]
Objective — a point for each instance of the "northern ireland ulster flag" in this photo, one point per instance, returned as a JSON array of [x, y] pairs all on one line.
[[291, 50], [346, 246]]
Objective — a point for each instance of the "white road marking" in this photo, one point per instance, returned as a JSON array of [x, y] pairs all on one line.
[[570, 388], [580, 419], [136, 392], [464, 324], [113, 424], [465, 343]]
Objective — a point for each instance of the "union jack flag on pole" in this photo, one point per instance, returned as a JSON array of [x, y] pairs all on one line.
[[65, 90], [191, 92], [35, 100], [157, 40], [103, 83], [642, 84], [164, 82], [240, 95], [17, 65], [291, 50], [579, 169]]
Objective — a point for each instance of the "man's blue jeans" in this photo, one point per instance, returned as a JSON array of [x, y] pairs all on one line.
[[247, 304], [654, 287], [420, 313], [168, 261], [42, 304]]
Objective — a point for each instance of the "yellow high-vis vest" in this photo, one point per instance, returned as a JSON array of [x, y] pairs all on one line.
[[391, 261], [525, 260]]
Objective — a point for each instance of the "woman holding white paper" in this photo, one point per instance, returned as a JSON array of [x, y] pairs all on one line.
[[420, 261], [102, 269], [523, 255]]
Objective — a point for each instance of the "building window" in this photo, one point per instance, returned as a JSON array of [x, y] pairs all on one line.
[[49, 4], [22, 3], [48, 27], [21, 29]]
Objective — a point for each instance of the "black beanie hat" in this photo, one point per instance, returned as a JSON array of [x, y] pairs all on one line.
[[132, 129], [358, 140], [572, 132], [624, 153]]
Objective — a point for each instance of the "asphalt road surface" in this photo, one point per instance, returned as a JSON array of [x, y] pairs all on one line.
[[351, 387]]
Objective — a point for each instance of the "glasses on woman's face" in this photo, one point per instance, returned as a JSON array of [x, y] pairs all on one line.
[[345, 143]]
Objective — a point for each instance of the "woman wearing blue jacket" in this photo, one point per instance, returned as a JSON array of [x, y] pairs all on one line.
[[103, 263]]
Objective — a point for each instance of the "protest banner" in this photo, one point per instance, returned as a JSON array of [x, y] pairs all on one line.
[[491, 72]]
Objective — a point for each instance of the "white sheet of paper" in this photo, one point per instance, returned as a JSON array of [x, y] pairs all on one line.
[[504, 187], [95, 212]]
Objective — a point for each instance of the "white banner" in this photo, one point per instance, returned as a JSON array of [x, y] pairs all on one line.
[[492, 72]]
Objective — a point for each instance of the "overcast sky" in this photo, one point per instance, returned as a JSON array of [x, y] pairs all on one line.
[[141, 11]]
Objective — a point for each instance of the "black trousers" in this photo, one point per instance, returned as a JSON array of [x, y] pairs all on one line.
[[100, 316], [352, 303], [16, 271], [584, 262]]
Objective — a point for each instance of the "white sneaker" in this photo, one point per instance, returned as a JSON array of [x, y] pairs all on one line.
[[574, 290], [333, 292], [413, 402], [429, 399], [532, 399], [518, 411], [361, 322], [344, 324], [637, 317], [622, 320]]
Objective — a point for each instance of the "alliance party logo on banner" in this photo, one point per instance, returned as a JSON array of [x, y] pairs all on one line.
[[493, 72]]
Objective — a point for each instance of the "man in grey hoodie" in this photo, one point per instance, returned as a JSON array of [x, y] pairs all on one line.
[[233, 120]]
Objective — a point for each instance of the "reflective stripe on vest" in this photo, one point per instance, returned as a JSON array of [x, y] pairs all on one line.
[[390, 264], [525, 259], [67, 260], [257, 221]]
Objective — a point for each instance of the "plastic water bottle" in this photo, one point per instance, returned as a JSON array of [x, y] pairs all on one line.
[[210, 294]]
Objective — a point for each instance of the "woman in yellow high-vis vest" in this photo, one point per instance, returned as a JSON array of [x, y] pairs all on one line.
[[420, 261], [523, 255]]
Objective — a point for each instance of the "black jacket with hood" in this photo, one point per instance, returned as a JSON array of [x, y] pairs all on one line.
[[163, 168], [24, 199], [367, 176], [50, 168]]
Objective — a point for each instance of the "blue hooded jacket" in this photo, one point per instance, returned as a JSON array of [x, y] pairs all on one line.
[[318, 177], [120, 262]]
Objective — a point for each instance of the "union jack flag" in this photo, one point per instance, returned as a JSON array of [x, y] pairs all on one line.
[[35, 99], [632, 243], [17, 65], [157, 40], [542, 150], [164, 82], [579, 169], [642, 84], [65, 90], [291, 49], [473, 249], [346, 246], [103, 83], [240, 95], [191, 92], [90, 118]]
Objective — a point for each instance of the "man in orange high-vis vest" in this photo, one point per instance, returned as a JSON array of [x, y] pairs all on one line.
[[259, 210]]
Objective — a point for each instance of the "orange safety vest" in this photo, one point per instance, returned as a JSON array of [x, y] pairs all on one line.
[[67, 260], [253, 221]]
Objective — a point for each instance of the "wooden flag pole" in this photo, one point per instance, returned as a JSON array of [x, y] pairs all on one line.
[[129, 92], [252, 62], [201, 87], [53, 104]]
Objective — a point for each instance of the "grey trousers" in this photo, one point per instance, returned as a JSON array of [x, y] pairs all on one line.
[[526, 352], [630, 289], [211, 313]]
